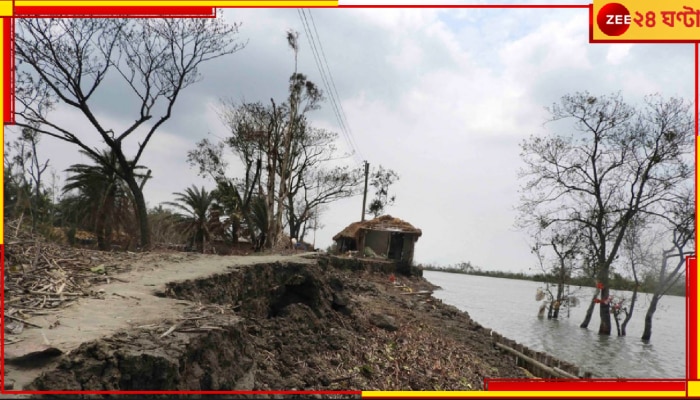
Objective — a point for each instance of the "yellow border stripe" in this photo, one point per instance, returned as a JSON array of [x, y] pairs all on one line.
[[538, 394], [184, 3], [693, 389], [6, 8]]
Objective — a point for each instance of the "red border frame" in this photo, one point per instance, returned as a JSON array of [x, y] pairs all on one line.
[[115, 11], [612, 385], [691, 308]]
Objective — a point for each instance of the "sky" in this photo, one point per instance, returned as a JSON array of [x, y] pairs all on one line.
[[442, 96]]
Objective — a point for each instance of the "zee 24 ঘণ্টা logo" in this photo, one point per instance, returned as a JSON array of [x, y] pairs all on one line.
[[614, 19]]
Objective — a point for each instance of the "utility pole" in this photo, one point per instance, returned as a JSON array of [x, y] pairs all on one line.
[[364, 197]]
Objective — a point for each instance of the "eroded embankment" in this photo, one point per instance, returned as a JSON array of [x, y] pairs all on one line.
[[292, 327]]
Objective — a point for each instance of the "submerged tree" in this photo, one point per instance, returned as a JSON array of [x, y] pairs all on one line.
[[619, 161], [637, 251], [566, 248], [67, 62], [681, 218]]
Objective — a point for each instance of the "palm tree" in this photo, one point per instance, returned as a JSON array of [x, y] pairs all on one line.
[[196, 204], [246, 215], [103, 201]]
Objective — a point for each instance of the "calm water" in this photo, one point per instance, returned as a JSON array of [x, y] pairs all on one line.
[[508, 306]]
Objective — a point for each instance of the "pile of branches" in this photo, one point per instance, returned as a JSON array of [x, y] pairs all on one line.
[[41, 275]]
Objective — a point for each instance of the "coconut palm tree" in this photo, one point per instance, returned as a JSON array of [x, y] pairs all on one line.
[[195, 205], [103, 201]]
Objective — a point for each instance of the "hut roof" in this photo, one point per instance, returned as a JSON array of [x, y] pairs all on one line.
[[383, 223]]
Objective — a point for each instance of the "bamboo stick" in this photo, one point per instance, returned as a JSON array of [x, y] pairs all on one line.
[[554, 371]]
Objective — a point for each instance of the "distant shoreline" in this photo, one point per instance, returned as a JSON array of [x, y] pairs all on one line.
[[616, 284]]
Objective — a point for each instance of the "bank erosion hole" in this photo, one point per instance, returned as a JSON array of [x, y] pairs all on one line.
[[298, 288]]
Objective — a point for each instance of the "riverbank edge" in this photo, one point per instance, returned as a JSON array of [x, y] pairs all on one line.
[[342, 295], [539, 364]]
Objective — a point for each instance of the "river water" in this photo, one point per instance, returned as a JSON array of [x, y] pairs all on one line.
[[508, 306]]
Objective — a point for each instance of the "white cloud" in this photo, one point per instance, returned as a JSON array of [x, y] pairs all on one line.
[[618, 52]]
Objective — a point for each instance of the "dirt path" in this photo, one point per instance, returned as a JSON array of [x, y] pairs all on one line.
[[190, 322], [131, 299]]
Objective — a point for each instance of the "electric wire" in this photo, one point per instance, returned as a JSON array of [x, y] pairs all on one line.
[[329, 83], [335, 90]]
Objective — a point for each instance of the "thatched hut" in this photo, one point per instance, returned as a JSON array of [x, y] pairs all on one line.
[[384, 236]]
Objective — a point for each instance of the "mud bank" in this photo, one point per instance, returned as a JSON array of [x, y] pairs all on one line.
[[292, 326]]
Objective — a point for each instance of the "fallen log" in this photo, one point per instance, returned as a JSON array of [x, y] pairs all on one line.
[[552, 370]]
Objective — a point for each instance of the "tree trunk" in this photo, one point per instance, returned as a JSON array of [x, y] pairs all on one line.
[[291, 218], [560, 294], [604, 281], [270, 201], [100, 231], [628, 314], [235, 227], [648, 318], [617, 323], [589, 311], [108, 226], [141, 210], [605, 326]]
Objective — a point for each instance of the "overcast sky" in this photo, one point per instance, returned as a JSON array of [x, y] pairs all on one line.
[[442, 96]]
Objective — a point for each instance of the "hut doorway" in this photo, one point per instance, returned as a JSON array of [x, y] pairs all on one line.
[[395, 246]]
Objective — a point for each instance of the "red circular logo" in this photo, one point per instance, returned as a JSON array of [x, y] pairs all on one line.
[[613, 19]]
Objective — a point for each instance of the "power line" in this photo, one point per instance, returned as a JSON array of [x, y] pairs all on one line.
[[327, 78], [335, 90], [317, 59]]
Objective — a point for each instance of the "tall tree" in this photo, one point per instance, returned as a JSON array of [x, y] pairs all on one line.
[[288, 164], [304, 96], [620, 161], [68, 62]]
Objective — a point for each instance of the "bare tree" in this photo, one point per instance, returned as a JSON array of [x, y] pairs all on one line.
[[637, 249], [566, 257], [619, 161], [26, 169], [681, 217], [70, 61], [313, 179], [312, 182], [304, 96]]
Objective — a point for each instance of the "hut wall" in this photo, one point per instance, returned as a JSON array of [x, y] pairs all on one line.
[[377, 241], [408, 246]]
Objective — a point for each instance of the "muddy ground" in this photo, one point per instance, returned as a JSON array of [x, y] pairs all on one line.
[[285, 323]]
